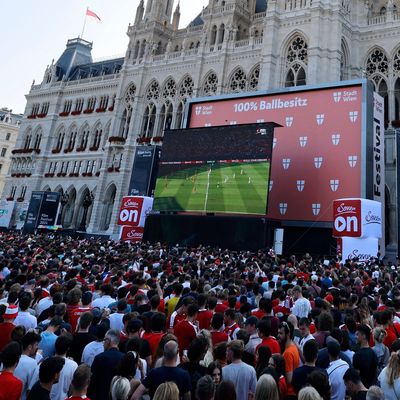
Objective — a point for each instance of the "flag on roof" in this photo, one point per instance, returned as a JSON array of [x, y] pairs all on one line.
[[90, 13]]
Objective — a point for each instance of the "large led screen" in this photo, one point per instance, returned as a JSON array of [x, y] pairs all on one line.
[[319, 154], [223, 169]]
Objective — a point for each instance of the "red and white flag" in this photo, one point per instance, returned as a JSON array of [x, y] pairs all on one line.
[[90, 13]]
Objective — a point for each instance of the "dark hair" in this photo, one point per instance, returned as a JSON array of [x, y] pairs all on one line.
[[304, 321], [280, 364], [318, 379], [18, 333], [197, 348], [157, 322], [128, 364], [30, 338], [230, 313], [85, 320], [219, 351], [11, 354], [225, 390], [212, 366], [365, 330], [264, 354], [193, 309], [217, 320], [49, 368], [352, 375], [56, 321], [63, 344], [25, 301], [310, 350], [264, 326]]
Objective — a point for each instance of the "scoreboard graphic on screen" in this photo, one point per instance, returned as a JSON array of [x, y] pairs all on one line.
[[321, 153]]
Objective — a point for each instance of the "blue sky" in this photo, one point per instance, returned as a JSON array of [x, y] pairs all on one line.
[[36, 31]]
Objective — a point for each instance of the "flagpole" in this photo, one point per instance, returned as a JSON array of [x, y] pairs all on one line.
[[84, 22]]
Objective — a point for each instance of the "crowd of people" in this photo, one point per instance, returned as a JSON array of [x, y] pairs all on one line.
[[110, 320]]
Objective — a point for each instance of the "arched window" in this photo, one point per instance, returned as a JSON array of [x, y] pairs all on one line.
[[129, 99], [253, 79], [221, 33], [38, 139], [60, 139], [169, 89], [296, 62], [108, 205], [72, 138], [97, 134], [149, 120], [186, 87], [344, 61], [83, 138], [238, 81], [210, 84], [28, 139], [179, 115], [377, 70], [213, 35]]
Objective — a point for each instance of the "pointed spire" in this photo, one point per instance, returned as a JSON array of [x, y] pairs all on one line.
[[177, 16], [139, 12]]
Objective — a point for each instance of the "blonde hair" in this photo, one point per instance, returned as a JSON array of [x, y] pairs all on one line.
[[309, 393], [266, 388], [393, 368], [120, 388], [167, 391], [379, 335]]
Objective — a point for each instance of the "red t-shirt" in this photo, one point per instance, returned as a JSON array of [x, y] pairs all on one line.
[[229, 330], [218, 337], [5, 334], [281, 310], [10, 386], [220, 308], [75, 314], [154, 339], [258, 313], [185, 333], [204, 317], [272, 343], [174, 320]]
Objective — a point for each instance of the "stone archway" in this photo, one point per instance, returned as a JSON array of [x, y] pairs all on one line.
[[67, 218], [108, 206]]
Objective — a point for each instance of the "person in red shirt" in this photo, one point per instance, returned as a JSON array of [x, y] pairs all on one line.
[[179, 314], [260, 311], [204, 316], [186, 331], [76, 312], [264, 331], [281, 310], [217, 336], [221, 306], [80, 383], [10, 386], [7, 326], [157, 325], [231, 326]]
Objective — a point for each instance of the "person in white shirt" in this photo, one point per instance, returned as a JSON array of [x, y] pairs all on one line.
[[116, 318], [94, 348], [24, 317], [44, 304], [27, 369], [105, 300], [254, 338], [302, 306], [336, 370], [304, 328], [59, 391]]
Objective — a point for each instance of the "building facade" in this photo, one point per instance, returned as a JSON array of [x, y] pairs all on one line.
[[9, 128], [83, 121]]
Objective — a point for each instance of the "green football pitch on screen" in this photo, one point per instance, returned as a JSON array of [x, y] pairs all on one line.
[[240, 188]]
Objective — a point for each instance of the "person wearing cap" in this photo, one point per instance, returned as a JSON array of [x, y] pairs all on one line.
[[242, 375], [365, 359], [8, 325], [336, 370], [254, 338]]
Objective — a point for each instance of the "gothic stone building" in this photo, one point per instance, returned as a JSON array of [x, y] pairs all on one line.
[[83, 121]]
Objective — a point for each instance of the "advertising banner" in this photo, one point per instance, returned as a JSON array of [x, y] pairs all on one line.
[[33, 212], [6, 211], [134, 210], [318, 154], [19, 214], [49, 209], [361, 249], [358, 218], [379, 161], [144, 171], [131, 234]]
